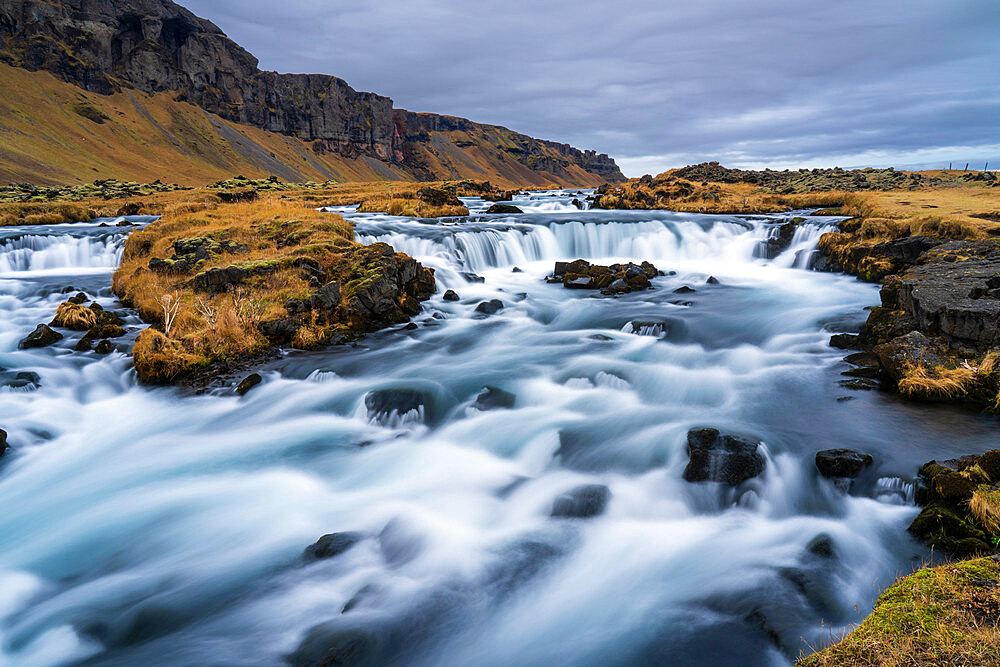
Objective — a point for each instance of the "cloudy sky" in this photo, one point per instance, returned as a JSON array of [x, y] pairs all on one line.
[[656, 84]]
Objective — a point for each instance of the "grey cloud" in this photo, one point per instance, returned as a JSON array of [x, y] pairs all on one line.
[[657, 84]]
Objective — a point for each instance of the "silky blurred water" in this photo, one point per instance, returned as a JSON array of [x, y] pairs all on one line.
[[150, 526]]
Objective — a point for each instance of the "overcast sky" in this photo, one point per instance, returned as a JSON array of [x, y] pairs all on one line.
[[660, 84]]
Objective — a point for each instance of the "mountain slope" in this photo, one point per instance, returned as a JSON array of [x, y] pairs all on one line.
[[113, 48]]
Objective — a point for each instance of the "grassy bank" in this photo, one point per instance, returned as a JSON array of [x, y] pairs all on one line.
[[948, 615]]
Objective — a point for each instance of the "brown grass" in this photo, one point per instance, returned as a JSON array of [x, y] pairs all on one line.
[[74, 317], [947, 615], [985, 506], [937, 383]]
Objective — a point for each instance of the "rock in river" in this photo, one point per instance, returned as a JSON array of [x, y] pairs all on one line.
[[489, 307], [582, 502], [332, 545], [722, 457], [42, 336], [842, 463]]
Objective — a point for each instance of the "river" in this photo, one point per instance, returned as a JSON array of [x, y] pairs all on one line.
[[152, 526]]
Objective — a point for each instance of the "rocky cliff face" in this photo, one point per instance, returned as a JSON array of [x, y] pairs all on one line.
[[156, 45]]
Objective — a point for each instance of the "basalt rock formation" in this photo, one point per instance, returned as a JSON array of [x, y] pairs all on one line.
[[157, 46]]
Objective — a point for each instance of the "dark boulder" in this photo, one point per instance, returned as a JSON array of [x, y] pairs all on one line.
[[842, 463], [822, 546], [386, 406], [3, 441], [684, 290], [332, 545], [712, 280], [85, 344], [503, 208], [104, 347], [492, 398], [489, 307], [907, 250], [779, 240], [436, 197], [451, 295], [472, 277], [217, 281], [79, 299], [248, 383], [722, 457], [908, 351], [42, 336], [582, 502]]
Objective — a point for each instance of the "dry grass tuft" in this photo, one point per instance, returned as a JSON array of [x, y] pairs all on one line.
[[74, 317], [985, 506], [937, 383]]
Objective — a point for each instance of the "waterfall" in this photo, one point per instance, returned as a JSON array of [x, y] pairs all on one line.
[[51, 252], [480, 246]]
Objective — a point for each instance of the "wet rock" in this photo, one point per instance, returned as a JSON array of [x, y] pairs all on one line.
[[779, 241], [684, 290], [860, 384], [332, 545], [105, 331], [78, 299], [944, 489], [910, 350], [451, 295], [842, 463], [822, 546], [20, 379], [490, 307], [492, 398], [330, 645], [646, 328], [504, 208], [390, 406], [42, 336], [578, 282], [472, 277], [3, 441], [248, 383], [517, 269], [104, 347], [412, 326], [712, 280], [722, 457], [583, 502], [846, 341], [96, 307]]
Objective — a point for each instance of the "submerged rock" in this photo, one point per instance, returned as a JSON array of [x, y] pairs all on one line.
[[614, 279], [489, 307], [332, 545], [451, 295], [390, 407], [248, 383], [20, 379], [582, 502], [492, 398], [842, 463], [3, 441], [722, 457], [42, 336]]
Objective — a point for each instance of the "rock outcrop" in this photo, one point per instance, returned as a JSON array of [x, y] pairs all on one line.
[[722, 457], [106, 46]]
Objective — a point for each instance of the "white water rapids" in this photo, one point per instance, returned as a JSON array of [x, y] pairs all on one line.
[[153, 527]]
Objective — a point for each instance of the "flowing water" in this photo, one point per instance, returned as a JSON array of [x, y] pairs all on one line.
[[152, 527]]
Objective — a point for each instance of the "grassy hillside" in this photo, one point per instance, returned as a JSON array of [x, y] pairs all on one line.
[[52, 132]]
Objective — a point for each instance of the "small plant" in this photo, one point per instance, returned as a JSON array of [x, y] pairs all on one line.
[[208, 312], [170, 305], [249, 311]]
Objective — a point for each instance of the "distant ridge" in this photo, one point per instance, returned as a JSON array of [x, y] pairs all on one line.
[[118, 47]]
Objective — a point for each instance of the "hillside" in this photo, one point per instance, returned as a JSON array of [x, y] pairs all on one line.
[[143, 89]]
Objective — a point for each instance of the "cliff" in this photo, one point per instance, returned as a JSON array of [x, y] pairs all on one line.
[[111, 47]]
